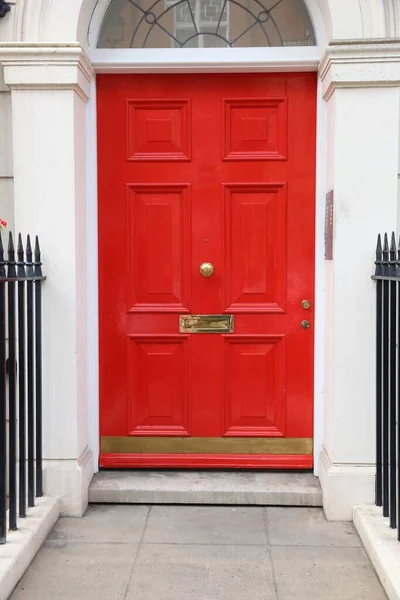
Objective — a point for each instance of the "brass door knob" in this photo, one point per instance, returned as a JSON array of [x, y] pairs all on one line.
[[305, 324], [306, 304], [206, 269]]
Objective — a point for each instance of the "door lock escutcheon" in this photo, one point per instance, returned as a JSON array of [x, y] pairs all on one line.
[[305, 324], [306, 304]]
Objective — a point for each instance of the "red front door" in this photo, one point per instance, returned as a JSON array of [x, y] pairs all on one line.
[[197, 169]]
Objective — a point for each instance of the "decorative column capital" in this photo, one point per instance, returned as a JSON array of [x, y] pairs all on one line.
[[360, 64], [48, 66]]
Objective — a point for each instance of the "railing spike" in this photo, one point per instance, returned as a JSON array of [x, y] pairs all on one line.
[[29, 263], [392, 256], [10, 242], [11, 272], [2, 262], [385, 243], [385, 256], [38, 263], [20, 255], [378, 257], [398, 259]]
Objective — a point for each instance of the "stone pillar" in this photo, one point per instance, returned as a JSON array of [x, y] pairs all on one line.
[[361, 87], [50, 87]]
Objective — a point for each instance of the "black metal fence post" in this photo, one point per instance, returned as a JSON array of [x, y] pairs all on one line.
[[398, 390], [387, 277], [20, 338], [378, 273], [3, 401], [38, 367], [385, 372], [21, 378], [30, 371], [392, 383], [12, 401]]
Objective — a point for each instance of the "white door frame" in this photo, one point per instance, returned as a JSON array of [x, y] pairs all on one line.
[[204, 60]]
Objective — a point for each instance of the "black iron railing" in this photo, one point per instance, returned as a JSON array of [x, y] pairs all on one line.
[[387, 277], [20, 381]]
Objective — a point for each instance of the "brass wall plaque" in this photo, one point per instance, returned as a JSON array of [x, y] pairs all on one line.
[[206, 323]]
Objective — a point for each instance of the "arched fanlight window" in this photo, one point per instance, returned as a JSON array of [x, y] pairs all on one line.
[[206, 24]]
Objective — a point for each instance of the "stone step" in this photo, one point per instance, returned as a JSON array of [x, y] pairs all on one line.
[[206, 487]]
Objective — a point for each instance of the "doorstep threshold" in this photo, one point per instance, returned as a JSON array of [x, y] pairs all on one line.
[[205, 487]]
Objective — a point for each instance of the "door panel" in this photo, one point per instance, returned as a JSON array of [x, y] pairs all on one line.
[[159, 385], [255, 231], [255, 129], [158, 218], [197, 169], [255, 406], [158, 130]]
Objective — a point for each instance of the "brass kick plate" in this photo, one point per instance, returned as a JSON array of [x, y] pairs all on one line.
[[206, 323], [195, 445]]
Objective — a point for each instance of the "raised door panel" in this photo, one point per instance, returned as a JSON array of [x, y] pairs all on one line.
[[255, 371], [158, 385], [158, 266], [158, 130], [255, 234], [255, 129]]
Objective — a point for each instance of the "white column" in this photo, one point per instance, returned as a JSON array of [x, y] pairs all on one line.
[[50, 87], [361, 86]]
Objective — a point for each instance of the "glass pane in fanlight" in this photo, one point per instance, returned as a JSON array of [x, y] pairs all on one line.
[[206, 23]]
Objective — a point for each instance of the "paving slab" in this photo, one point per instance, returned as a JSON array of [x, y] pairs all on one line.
[[103, 523], [308, 527], [206, 487], [72, 571], [206, 525], [302, 573], [205, 572], [200, 553]]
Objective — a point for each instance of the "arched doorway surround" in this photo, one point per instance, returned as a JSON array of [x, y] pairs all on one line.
[[52, 20], [57, 69]]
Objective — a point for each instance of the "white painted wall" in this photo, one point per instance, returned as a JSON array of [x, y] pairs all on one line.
[[366, 155], [6, 155]]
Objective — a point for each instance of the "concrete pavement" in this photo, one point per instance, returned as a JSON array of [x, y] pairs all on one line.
[[139, 552]]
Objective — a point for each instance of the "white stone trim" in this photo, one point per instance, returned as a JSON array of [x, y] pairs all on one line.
[[68, 481], [374, 63], [92, 279], [319, 293], [344, 486], [189, 60], [381, 545], [22, 545], [46, 66], [319, 335]]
